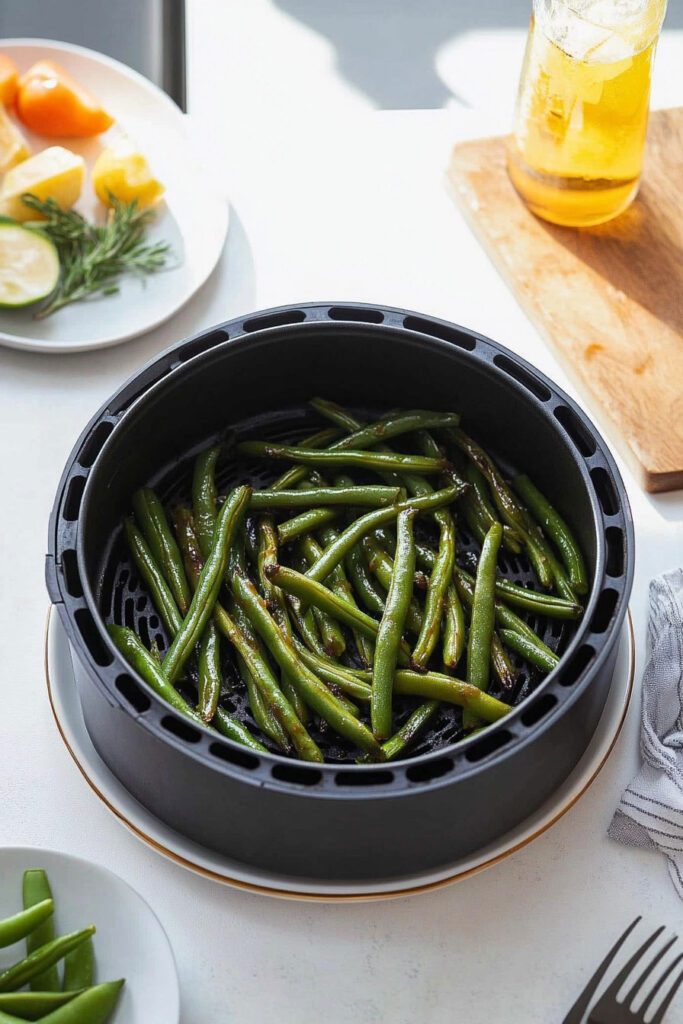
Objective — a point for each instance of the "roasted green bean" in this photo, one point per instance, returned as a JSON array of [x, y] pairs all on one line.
[[151, 575], [306, 522], [332, 637], [483, 611], [337, 457], [557, 529], [369, 496], [152, 520], [204, 498], [210, 675], [521, 644]]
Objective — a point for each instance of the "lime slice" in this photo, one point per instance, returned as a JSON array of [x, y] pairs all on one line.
[[29, 265]]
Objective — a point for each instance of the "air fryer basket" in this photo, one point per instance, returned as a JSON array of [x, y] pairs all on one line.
[[255, 376]]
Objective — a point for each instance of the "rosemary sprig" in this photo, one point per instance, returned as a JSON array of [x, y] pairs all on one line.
[[93, 257]]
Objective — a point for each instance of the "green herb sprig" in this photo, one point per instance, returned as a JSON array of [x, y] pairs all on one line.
[[94, 256]]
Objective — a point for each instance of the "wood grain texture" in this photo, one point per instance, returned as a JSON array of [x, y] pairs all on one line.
[[609, 298]]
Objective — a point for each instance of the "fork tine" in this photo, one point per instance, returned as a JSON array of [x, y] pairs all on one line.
[[630, 964], [667, 1000], [579, 1008], [638, 983]]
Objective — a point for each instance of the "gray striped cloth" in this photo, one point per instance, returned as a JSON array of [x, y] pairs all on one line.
[[650, 813]]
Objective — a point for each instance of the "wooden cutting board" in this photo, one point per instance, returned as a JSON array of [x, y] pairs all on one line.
[[609, 298]]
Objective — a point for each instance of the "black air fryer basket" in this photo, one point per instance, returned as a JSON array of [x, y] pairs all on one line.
[[330, 821]]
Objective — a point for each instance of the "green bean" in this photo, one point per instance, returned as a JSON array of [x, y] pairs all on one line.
[[535, 601], [152, 520], [558, 531], [210, 675], [483, 611], [363, 585], [454, 631], [381, 564], [436, 593], [480, 496], [40, 959], [391, 627], [306, 624], [248, 647], [363, 525], [204, 497], [319, 596], [151, 575], [309, 686], [95, 1006], [22, 924], [473, 517], [334, 643], [333, 673], [341, 585], [369, 496], [501, 666], [522, 645], [307, 522], [389, 426], [263, 716], [291, 477], [208, 585], [35, 889], [140, 659], [32, 1005], [510, 510], [410, 730], [342, 457], [233, 730], [445, 688], [79, 967], [268, 555]]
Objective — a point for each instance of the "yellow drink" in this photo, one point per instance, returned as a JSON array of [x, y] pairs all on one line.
[[582, 111]]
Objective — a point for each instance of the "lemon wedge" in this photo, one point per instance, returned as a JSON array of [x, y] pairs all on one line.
[[123, 172], [29, 265], [13, 145], [55, 174]]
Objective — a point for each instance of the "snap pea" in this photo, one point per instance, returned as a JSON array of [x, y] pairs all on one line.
[[94, 1006], [22, 924], [35, 889], [210, 675], [334, 643], [391, 627], [306, 522], [336, 457], [151, 575], [79, 967], [208, 585], [557, 529], [363, 525], [370, 496], [483, 611], [152, 520], [32, 1005], [317, 697], [40, 959], [204, 497], [320, 596], [530, 651], [140, 659]]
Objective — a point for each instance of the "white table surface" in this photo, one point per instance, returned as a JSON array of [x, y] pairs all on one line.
[[347, 208]]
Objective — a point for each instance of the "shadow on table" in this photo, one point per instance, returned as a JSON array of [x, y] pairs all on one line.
[[386, 48]]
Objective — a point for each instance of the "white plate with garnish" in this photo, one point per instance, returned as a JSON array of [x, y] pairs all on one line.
[[192, 216], [129, 942]]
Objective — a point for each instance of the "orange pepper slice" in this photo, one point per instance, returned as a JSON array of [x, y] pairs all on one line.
[[9, 77], [50, 102]]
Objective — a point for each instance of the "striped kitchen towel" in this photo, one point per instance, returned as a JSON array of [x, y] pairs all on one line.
[[650, 813]]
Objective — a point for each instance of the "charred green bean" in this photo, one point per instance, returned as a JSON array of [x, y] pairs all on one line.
[[152, 520], [338, 457]]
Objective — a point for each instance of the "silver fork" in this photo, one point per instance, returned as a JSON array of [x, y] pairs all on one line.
[[610, 1010]]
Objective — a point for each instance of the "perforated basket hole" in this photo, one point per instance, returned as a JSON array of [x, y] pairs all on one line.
[[241, 758], [488, 745], [72, 577], [93, 446], [614, 539], [442, 331], [574, 669], [72, 502], [602, 616], [297, 774], [183, 730], [131, 692], [605, 491], [357, 313], [523, 377], [575, 429], [287, 316], [539, 709], [430, 770], [366, 778], [202, 344], [91, 637]]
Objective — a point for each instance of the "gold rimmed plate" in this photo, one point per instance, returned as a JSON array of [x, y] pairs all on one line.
[[66, 709]]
